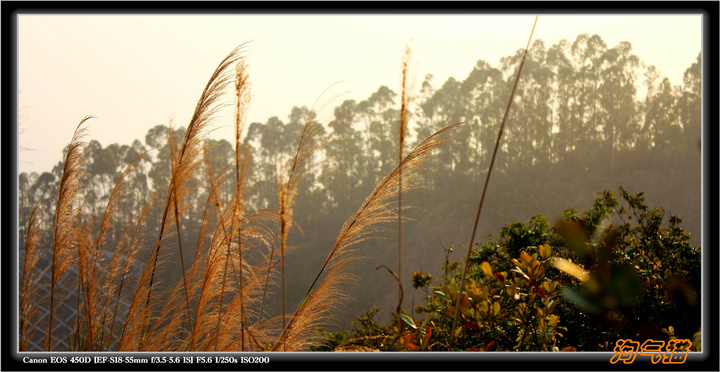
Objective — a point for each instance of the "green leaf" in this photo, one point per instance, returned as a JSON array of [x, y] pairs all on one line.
[[426, 320], [625, 285], [580, 300], [442, 296], [408, 320]]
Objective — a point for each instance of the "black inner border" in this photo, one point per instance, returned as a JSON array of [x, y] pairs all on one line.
[[590, 361]]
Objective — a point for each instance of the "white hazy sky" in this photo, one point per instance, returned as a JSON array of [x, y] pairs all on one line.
[[133, 72]]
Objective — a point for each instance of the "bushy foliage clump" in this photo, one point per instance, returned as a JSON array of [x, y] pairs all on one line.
[[611, 272]]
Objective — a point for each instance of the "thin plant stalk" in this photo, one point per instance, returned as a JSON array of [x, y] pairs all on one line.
[[482, 198], [267, 276], [284, 212], [308, 144], [213, 199], [404, 102], [242, 99], [111, 278], [175, 179], [242, 91], [132, 250]]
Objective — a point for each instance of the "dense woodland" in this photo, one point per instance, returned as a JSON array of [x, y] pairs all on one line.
[[577, 126]]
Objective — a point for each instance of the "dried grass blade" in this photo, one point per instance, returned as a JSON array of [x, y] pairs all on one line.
[[375, 209], [111, 272], [29, 288], [188, 157], [64, 228]]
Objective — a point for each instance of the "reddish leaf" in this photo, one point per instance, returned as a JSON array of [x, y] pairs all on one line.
[[409, 342], [500, 277], [470, 326], [489, 345], [411, 347], [541, 292]]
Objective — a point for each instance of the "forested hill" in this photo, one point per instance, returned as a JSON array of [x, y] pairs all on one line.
[[577, 126]]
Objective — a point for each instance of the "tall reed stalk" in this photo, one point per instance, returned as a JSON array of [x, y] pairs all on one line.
[[451, 344], [403, 123], [312, 139], [65, 223], [242, 101]]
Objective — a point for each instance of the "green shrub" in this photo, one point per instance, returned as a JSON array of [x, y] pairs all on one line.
[[608, 273]]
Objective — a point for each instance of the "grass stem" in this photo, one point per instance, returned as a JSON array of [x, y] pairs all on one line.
[[451, 344]]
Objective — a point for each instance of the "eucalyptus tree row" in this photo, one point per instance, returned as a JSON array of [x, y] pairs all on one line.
[[577, 107]]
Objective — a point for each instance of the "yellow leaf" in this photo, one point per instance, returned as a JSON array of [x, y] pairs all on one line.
[[550, 287], [573, 269], [545, 251], [525, 257], [486, 268], [496, 308]]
